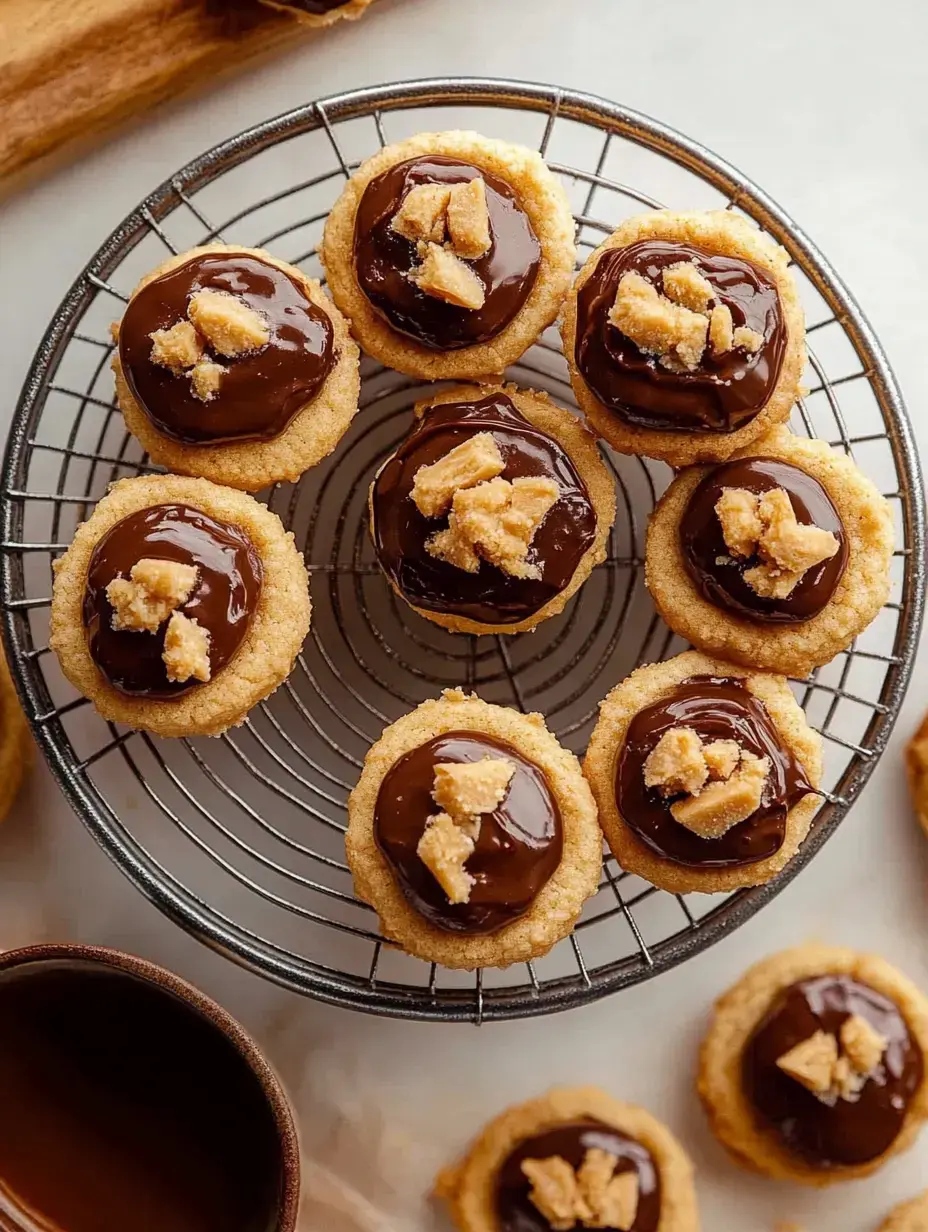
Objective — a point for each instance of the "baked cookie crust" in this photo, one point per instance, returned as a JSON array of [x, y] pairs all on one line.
[[467, 1187], [793, 649], [347, 12], [581, 446], [555, 909], [310, 436], [649, 684], [916, 760], [909, 1216], [268, 650], [17, 752], [544, 202], [738, 1012], [722, 233]]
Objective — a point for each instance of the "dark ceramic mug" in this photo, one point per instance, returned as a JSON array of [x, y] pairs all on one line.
[[132, 1101]]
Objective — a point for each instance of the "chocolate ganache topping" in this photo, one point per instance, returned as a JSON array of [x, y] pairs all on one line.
[[724, 391], [518, 848], [223, 599], [831, 1131], [514, 1209], [720, 577], [384, 258], [716, 708], [489, 596], [259, 391]]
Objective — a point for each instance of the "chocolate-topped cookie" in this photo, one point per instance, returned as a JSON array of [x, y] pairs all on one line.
[[320, 12], [179, 605], [493, 511], [450, 253], [685, 336], [814, 1066], [236, 367], [573, 1158], [777, 558], [705, 775], [473, 834], [17, 751]]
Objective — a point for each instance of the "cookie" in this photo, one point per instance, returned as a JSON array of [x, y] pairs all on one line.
[[778, 558], [320, 12], [179, 605], [234, 366], [16, 748], [450, 253], [813, 1069], [493, 511], [705, 774], [916, 759], [685, 337], [472, 834], [908, 1216], [573, 1158]]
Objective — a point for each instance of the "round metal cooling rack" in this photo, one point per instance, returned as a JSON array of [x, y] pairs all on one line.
[[240, 839]]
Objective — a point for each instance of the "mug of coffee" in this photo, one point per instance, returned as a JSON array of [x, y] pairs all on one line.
[[133, 1103]]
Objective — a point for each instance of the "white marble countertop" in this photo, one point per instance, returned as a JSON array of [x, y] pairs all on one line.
[[823, 104]]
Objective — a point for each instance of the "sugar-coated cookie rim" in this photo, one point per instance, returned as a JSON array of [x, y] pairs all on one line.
[[721, 233], [311, 435], [467, 1186], [17, 751], [580, 445], [210, 708], [649, 684], [556, 907], [348, 12], [736, 1015], [793, 649], [552, 222], [916, 763]]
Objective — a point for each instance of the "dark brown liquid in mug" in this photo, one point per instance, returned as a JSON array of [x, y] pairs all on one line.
[[223, 600], [717, 709], [725, 391], [384, 259], [518, 849], [262, 390], [704, 547], [514, 1209], [490, 595], [835, 1132], [125, 1110]]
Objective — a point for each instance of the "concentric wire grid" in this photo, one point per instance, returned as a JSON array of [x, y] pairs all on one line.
[[240, 839]]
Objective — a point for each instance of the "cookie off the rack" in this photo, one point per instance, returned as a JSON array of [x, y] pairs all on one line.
[[320, 12], [179, 605], [574, 1158], [493, 511], [705, 774], [685, 336], [450, 253], [813, 1068], [473, 834], [232, 365], [909, 1216]]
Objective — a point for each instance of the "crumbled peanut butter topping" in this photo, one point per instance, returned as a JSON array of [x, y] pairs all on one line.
[[721, 330], [205, 379], [430, 213], [152, 591], [746, 339], [676, 763], [422, 214], [445, 276], [444, 848], [722, 757], [229, 325], [177, 348], [495, 521], [591, 1197], [464, 466], [684, 284], [830, 1072], [186, 649], [712, 812], [467, 789], [766, 526], [469, 219]]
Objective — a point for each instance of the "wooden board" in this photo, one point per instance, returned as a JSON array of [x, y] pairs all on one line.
[[72, 69]]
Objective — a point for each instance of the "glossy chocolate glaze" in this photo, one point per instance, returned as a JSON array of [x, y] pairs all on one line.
[[223, 600], [262, 390], [489, 596], [516, 1213], [384, 259], [726, 391], [703, 543], [518, 849], [124, 1108], [717, 709], [838, 1132]]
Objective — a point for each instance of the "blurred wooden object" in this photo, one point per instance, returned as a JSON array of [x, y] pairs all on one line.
[[72, 69]]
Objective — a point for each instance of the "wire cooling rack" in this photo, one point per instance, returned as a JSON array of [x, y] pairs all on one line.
[[240, 839]]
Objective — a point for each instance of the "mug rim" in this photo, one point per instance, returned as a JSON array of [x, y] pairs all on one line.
[[244, 1044]]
